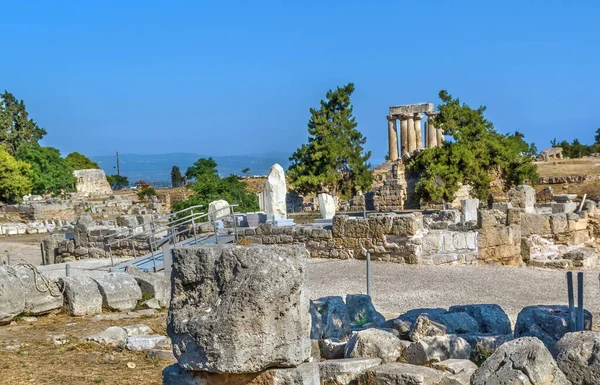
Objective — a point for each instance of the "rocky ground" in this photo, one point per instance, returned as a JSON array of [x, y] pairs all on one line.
[[21, 248]]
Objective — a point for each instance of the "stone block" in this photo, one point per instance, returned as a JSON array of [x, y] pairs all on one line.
[[491, 318], [82, 296], [457, 371], [113, 336], [239, 309], [40, 297], [578, 356], [153, 285], [120, 291], [329, 318], [403, 374], [374, 343], [459, 240], [522, 197], [407, 224], [532, 223], [12, 303], [437, 348], [332, 348], [326, 206], [424, 326], [468, 208], [347, 371], [564, 208], [361, 310], [144, 342], [491, 218], [432, 242], [558, 223]]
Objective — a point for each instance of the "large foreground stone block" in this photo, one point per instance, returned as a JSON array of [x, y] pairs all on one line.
[[82, 296], [237, 309], [375, 343], [154, 285], [521, 361], [329, 318], [305, 374], [491, 318], [41, 296], [578, 356], [11, 302], [402, 374], [120, 291], [346, 371]]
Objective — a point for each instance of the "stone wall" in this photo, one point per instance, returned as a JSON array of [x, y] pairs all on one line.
[[92, 183], [499, 238]]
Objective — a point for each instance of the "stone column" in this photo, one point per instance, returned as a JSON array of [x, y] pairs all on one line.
[[404, 134], [440, 137], [432, 133], [418, 133], [412, 139], [392, 138]]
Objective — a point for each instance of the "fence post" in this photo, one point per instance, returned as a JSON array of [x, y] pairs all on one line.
[[572, 323], [368, 274], [68, 270], [581, 317]]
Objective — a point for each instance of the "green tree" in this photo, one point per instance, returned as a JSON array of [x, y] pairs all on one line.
[[16, 128], [144, 194], [117, 182], [176, 177], [208, 187], [476, 152], [15, 177], [334, 159], [51, 173], [597, 136], [79, 161], [246, 171]]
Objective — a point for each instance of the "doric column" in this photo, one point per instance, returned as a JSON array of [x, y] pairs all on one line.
[[404, 134], [392, 138], [431, 132], [418, 134], [440, 137], [412, 139]]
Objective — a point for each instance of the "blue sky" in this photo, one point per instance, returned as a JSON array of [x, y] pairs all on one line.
[[238, 77]]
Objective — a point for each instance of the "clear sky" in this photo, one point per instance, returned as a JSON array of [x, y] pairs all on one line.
[[226, 77]]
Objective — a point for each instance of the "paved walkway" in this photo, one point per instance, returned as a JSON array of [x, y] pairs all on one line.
[[397, 288]]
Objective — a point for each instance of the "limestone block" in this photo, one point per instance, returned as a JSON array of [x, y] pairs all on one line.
[[332, 348], [578, 356], [239, 309], [144, 342], [400, 325], [12, 303], [326, 206], [523, 197], [92, 182], [484, 344], [154, 285], [457, 323], [585, 257], [218, 210], [457, 371], [375, 343], [304, 374], [468, 208], [521, 361], [459, 240], [432, 242], [558, 223], [275, 193], [403, 374], [113, 336], [437, 348], [137, 330], [564, 208], [345, 371], [120, 291], [471, 240], [407, 224], [491, 318], [39, 297], [425, 327], [491, 218], [82, 296], [329, 318], [361, 310], [548, 323], [532, 223]]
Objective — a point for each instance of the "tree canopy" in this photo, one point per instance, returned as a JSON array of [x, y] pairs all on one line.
[[176, 177], [117, 182], [79, 161], [16, 128], [51, 173], [476, 152], [15, 177], [333, 160], [576, 149], [208, 187]]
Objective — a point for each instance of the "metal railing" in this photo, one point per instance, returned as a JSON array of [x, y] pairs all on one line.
[[173, 229]]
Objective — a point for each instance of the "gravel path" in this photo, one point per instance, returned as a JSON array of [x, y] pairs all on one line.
[[398, 288]]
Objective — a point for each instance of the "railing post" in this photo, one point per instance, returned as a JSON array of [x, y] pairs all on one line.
[[194, 228], [235, 235], [581, 316], [368, 274], [68, 270], [572, 322]]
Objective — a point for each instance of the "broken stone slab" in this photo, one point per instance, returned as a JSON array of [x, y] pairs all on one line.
[[329, 318], [82, 296], [491, 318], [457, 323], [138, 330], [332, 348], [304, 374], [326, 206], [152, 303], [361, 310], [548, 323], [120, 291], [403, 374], [153, 285], [578, 356], [458, 372], [163, 355], [113, 336], [584, 257], [345, 371], [521, 361], [425, 327], [401, 326], [239, 309], [41, 295], [374, 343], [522, 197], [274, 193], [143, 342], [438, 348], [11, 305], [482, 345]]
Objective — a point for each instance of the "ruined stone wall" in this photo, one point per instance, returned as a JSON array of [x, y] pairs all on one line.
[[92, 183], [499, 238]]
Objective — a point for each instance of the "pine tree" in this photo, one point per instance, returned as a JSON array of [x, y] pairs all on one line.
[[176, 178], [16, 128], [334, 160]]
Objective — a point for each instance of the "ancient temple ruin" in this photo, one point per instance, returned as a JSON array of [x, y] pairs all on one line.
[[411, 134]]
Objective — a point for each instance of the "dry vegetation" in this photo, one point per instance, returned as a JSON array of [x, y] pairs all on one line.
[[571, 167]]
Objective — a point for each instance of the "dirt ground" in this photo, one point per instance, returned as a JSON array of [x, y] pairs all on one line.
[[21, 248], [566, 167], [28, 354]]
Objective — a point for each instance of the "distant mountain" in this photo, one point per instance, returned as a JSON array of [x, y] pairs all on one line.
[[156, 169]]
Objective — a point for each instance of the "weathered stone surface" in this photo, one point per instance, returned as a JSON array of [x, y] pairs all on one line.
[[304, 374], [326, 206], [329, 318], [578, 356], [120, 291], [407, 224], [275, 193], [548, 323], [82, 296], [160, 354], [239, 309], [468, 209], [361, 310], [114, 335], [143, 342], [11, 304], [346, 371], [483, 345], [92, 182], [218, 210], [374, 343], [458, 323], [458, 372], [40, 297], [491, 318], [154, 285], [425, 327], [521, 361], [402, 374], [400, 325], [137, 330], [522, 197], [438, 348], [332, 348]]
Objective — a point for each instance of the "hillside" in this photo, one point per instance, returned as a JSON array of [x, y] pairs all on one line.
[[573, 176]]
